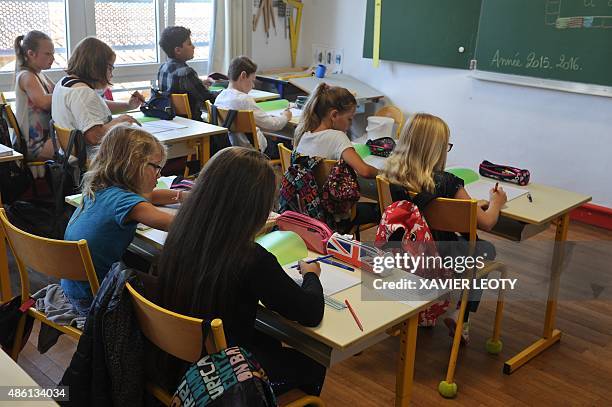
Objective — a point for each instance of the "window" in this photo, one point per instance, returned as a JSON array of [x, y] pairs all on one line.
[[19, 17], [197, 16], [128, 26]]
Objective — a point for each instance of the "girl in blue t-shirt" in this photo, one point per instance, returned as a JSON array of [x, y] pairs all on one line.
[[117, 195]]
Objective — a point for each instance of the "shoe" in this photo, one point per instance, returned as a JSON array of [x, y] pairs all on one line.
[[451, 324]]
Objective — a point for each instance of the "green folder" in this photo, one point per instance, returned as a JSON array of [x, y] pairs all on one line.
[[287, 247], [215, 88], [362, 150], [467, 175], [272, 105]]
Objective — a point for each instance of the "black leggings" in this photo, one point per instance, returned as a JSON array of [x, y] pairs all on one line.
[[287, 368]]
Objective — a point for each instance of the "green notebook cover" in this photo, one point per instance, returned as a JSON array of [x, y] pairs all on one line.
[[287, 247], [467, 175], [272, 105]]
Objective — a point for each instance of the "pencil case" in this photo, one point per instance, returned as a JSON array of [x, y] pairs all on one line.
[[314, 232], [355, 253], [504, 173], [382, 147]]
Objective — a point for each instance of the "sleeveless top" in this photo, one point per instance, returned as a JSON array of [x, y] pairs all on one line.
[[33, 121]]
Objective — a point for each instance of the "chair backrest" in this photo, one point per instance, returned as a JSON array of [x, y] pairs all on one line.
[[176, 334], [285, 156], [244, 122], [63, 137], [394, 113], [443, 214], [55, 258], [180, 104], [12, 120]]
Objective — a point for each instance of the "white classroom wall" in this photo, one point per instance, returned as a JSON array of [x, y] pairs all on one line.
[[564, 139]]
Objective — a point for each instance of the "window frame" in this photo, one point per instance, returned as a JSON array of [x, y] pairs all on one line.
[[80, 23]]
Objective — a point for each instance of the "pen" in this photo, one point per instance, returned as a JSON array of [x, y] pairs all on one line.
[[529, 197], [335, 263], [496, 185], [313, 260], [352, 311]]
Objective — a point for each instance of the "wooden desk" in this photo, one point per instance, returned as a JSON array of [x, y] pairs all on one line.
[[11, 374], [195, 133], [157, 238], [338, 337], [5, 281], [549, 205], [362, 91]]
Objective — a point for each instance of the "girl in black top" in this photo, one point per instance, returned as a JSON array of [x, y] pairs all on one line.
[[417, 164], [212, 268]]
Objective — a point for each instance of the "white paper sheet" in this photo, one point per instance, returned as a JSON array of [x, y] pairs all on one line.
[[294, 112], [376, 161], [480, 190], [333, 279], [159, 126]]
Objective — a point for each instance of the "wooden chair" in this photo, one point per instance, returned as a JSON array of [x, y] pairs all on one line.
[[12, 122], [54, 258], [455, 215], [181, 106], [394, 113], [321, 173], [176, 334]]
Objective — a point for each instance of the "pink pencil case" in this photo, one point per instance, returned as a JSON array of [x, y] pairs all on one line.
[[314, 232]]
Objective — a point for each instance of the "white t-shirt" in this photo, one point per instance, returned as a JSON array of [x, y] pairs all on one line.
[[78, 108], [236, 100], [328, 144]]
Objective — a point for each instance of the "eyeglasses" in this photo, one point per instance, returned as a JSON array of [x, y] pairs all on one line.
[[110, 67], [158, 168], [450, 146]]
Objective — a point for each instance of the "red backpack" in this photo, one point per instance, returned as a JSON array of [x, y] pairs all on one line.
[[403, 221]]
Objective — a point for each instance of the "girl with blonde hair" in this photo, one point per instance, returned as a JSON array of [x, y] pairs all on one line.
[[417, 165], [118, 193]]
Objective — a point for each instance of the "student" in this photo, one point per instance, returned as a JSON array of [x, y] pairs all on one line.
[[212, 268], [33, 54], [117, 195], [241, 75], [77, 99], [175, 76], [417, 164], [326, 118]]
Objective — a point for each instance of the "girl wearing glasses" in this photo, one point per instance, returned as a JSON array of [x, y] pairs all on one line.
[[417, 165], [118, 193]]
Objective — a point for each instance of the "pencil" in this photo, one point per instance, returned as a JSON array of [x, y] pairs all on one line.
[[496, 185], [313, 260], [352, 311]]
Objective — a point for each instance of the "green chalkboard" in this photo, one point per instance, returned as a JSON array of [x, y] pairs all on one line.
[[428, 32], [568, 40]]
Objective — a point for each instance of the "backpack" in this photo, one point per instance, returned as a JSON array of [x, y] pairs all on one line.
[[299, 191], [231, 377], [402, 221], [15, 178], [340, 191], [159, 105]]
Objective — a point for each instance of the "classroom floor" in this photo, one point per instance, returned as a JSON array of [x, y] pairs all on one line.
[[577, 371]]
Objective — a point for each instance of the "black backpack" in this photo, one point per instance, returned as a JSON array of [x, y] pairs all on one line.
[[159, 105], [15, 177]]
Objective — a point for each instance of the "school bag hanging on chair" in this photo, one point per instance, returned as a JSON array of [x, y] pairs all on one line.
[[15, 177], [340, 191], [231, 377], [299, 191], [402, 222]]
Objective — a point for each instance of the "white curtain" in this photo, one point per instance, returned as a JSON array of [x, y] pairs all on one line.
[[230, 33]]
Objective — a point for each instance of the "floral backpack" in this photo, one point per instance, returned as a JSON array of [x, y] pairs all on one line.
[[299, 191], [402, 221], [340, 191]]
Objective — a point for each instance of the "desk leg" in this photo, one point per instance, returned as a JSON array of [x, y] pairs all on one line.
[[204, 151], [405, 367], [550, 335]]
